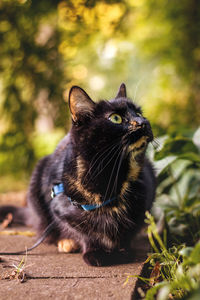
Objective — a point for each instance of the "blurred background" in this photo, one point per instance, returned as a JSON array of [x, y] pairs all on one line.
[[48, 46]]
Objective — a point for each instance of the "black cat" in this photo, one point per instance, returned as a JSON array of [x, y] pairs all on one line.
[[97, 184]]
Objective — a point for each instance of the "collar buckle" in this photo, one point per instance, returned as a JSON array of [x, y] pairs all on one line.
[[57, 189]]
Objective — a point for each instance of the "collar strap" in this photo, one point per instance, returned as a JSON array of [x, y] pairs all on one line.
[[59, 188]]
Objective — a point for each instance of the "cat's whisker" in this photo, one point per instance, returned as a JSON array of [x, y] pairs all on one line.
[[94, 174], [124, 150], [155, 143], [111, 175], [93, 163], [118, 169], [77, 225], [119, 166], [81, 223], [115, 141], [105, 165], [136, 88], [104, 158], [105, 149]]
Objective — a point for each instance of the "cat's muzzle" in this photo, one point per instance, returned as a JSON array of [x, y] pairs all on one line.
[[140, 128]]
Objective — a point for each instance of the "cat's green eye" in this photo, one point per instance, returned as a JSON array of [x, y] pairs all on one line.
[[115, 118]]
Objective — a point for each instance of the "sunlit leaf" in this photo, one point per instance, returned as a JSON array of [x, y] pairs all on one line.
[[177, 146], [196, 138]]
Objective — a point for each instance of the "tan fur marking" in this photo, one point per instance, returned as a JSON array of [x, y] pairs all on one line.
[[115, 209], [134, 169], [137, 144], [118, 209], [80, 168], [67, 246], [124, 188], [91, 197]]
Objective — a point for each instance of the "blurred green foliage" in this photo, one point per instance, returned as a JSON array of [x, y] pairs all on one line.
[[28, 65], [47, 46]]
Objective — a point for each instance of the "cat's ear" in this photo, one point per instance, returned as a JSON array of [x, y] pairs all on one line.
[[122, 91], [80, 103]]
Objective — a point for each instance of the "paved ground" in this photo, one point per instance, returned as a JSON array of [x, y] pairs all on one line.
[[52, 275]]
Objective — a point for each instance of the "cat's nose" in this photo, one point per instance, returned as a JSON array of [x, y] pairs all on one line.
[[138, 122]]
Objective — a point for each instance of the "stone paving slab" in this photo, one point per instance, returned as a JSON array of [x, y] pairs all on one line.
[[64, 276]]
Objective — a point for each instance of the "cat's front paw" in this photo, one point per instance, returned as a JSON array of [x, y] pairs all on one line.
[[67, 246], [97, 258], [100, 258]]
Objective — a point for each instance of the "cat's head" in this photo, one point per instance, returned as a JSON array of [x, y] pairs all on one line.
[[97, 125]]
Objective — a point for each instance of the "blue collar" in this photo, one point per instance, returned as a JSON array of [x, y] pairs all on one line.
[[59, 188]]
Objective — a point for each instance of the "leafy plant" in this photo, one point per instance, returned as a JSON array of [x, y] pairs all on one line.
[[177, 162], [175, 266], [178, 273]]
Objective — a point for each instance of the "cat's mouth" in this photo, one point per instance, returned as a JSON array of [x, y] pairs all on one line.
[[141, 137]]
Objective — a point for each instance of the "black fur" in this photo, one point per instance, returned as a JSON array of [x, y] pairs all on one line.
[[96, 161]]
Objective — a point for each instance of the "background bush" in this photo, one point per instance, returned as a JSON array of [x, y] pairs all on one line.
[[47, 46]]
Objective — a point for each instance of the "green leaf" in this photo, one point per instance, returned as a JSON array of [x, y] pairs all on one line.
[[196, 138], [194, 157], [177, 146], [194, 257], [151, 293], [162, 164], [186, 251], [195, 295]]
